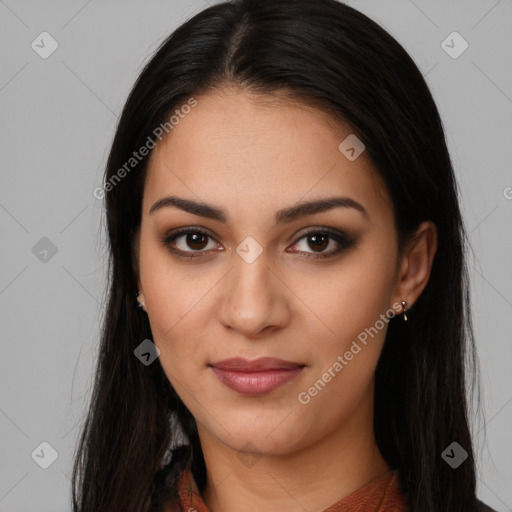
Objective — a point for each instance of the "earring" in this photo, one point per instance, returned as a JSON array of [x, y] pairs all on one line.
[[141, 304], [404, 304]]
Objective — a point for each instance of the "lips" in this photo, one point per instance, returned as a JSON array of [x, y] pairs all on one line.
[[255, 377], [262, 364]]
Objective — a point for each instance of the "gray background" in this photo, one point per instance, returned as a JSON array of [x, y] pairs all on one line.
[[58, 117]]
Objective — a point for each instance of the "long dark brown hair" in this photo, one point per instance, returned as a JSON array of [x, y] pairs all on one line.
[[328, 55]]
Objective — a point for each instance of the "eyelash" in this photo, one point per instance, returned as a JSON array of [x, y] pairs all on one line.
[[344, 241]]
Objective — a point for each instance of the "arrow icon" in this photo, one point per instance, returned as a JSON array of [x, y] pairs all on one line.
[[44, 45], [454, 45], [249, 249], [351, 147], [454, 455], [147, 352], [44, 250], [44, 455]]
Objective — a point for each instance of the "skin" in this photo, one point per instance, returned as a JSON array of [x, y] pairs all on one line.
[[252, 156]]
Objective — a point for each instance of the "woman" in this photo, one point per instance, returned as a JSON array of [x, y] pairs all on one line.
[[280, 201]]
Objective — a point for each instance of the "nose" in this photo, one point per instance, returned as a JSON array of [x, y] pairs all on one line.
[[254, 299]]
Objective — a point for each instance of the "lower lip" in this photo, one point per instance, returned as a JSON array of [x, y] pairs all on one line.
[[256, 383]]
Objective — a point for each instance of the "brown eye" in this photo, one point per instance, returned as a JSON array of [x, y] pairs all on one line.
[[196, 241], [189, 243], [318, 241]]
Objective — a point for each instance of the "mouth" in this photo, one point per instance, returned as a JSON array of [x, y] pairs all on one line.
[[256, 377]]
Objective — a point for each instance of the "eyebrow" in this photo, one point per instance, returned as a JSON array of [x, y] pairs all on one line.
[[282, 216]]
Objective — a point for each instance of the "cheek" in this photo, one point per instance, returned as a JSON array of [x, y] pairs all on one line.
[[344, 400], [351, 297], [352, 304], [173, 292]]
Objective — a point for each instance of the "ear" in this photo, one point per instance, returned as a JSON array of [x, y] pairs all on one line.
[[416, 264]]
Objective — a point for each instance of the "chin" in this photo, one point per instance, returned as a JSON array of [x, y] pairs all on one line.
[[258, 440]]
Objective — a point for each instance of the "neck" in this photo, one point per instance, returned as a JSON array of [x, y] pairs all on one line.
[[313, 477]]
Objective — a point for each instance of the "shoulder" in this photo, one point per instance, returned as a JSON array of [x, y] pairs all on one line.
[[482, 507]]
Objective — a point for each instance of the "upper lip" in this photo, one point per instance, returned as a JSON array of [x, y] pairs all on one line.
[[256, 365]]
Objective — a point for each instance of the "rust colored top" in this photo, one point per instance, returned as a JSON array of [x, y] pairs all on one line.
[[382, 494]]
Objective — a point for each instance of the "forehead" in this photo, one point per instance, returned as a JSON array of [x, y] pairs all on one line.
[[251, 152]]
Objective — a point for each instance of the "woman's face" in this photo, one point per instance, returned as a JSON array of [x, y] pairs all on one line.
[[263, 277]]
